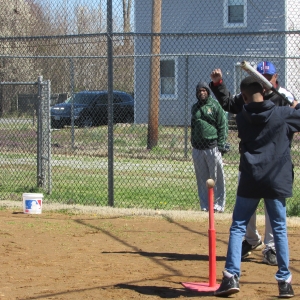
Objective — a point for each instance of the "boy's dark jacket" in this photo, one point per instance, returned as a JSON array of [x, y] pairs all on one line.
[[266, 132]]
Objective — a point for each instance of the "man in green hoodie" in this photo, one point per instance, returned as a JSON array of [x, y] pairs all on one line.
[[208, 137]]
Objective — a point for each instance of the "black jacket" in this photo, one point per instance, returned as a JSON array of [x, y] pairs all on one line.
[[266, 131], [234, 103]]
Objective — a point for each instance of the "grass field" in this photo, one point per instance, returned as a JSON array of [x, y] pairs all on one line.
[[162, 178]]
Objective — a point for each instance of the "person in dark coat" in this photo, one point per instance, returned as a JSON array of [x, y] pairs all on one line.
[[265, 131], [234, 104]]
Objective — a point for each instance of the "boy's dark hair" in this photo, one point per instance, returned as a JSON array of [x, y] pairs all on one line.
[[250, 85]]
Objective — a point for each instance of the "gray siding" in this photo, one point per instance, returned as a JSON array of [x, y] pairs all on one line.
[[215, 47], [194, 16]]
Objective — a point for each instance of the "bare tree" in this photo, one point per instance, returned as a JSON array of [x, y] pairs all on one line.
[[126, 15], [15, 21]]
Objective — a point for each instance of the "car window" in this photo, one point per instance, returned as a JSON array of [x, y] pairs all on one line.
[[117, 99], [83, 98], [102, 99], [68, 100]]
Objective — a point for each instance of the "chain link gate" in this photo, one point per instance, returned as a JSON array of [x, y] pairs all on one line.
[[16, 157]]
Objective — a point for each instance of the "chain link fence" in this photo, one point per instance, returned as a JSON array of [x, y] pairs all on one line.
[[104, 150]]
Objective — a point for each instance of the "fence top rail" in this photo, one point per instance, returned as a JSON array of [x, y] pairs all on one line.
[[136, 55], [134, 34], [18, 83]]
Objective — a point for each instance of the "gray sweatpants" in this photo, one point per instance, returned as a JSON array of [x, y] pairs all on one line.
[[208, 163]]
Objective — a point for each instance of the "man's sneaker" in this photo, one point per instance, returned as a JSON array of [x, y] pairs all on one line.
[[247, 248], [285, 289], [229, 286], [270, 257], [204, 209]]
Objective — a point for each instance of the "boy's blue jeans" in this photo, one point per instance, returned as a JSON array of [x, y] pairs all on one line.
[[243, 210]]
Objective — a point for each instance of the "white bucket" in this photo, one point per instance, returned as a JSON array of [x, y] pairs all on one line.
[[32, 203]]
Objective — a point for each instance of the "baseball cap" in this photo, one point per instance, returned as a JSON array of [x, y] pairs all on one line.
[[266, 67]]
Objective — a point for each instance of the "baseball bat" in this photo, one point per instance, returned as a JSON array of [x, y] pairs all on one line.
[[266, 83]]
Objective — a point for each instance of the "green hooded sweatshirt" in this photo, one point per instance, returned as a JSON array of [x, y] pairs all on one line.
[[209, 125]]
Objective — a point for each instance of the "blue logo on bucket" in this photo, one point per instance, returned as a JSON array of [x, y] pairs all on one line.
[[32, 205]]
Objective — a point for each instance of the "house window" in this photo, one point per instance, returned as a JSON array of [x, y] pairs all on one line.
[[235, 13], [167, 78]]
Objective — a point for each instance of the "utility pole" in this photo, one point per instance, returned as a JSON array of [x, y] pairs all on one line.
[[154, 90]]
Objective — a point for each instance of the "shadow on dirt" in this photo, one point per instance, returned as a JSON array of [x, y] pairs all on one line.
[[168, 256], [162, 291]]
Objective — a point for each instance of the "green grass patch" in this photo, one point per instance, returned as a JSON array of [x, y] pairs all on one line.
[[160, 178]]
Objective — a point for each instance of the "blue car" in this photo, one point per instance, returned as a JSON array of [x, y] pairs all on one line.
[[90, 108]]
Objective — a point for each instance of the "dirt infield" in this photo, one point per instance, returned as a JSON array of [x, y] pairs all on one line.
[[73, 254]]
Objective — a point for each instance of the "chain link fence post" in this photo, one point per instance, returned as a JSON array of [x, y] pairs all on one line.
[[44, 136]]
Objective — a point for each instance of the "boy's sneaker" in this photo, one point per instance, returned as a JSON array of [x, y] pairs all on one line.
[[270, 257], [247, 248], [285, 290], [229, 286]]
